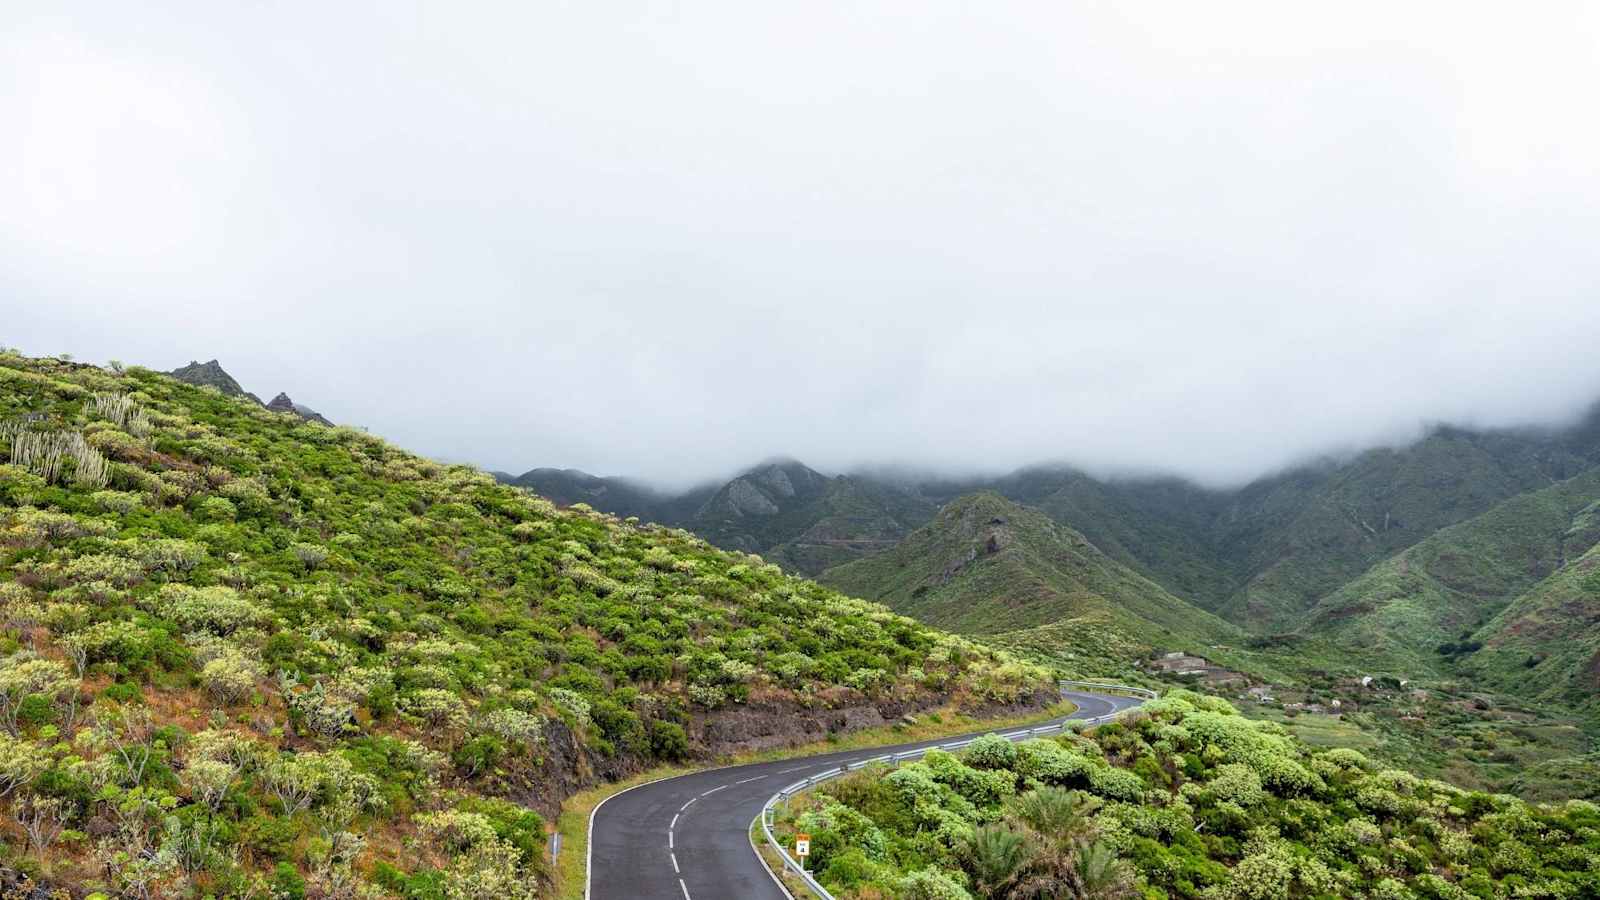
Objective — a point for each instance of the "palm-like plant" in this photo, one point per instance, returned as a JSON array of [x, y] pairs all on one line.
[[1101, 875], [997, 855], [1057, 813]]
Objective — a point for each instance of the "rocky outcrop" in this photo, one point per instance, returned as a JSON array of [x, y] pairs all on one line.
[[745, 499], [765, 726], [211, 374], [282, 403]]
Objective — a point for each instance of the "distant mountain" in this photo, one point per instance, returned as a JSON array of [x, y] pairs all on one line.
[[618, 496], [985, 565], [1263, 555], [1447, 586], [781, 509], [211, 374]]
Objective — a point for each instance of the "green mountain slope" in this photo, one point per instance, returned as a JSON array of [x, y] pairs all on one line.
[[1448, 585], [788, 512], [985, 565], [1160, 527], [252, 654], [853, 518], [1546, 643], [1302, 535]]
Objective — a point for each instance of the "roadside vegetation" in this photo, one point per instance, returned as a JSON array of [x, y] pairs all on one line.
[[1185, 799], [242, 654]]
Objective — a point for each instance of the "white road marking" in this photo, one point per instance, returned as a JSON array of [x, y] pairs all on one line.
[[669, 840], [748, 780], [787, 771], [685, 890], [686, 805], [674, 823], [674, 862], [713, 790]]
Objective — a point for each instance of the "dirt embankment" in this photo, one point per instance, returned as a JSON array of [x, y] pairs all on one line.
[[570, 767]]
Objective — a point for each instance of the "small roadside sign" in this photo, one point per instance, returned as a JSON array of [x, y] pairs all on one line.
[[802, 845]]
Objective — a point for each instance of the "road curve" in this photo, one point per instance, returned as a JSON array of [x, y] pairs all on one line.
[[689, 837]]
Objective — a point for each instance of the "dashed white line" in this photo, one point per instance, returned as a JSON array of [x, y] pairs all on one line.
[[686, 805], [748, 780], [685, 890], [787, 771], [674, 823], [713, 790], [669, 840], [674, 862]]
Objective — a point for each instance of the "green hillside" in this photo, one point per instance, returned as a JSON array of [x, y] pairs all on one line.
[[248, 654], [1301, 536], [852, 519], [985, 565], [1185, 799], [1442, 590], [1546, 643]]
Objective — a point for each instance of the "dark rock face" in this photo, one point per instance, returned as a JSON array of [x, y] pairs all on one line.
[[282, 403], [211, 374], [765, 726]]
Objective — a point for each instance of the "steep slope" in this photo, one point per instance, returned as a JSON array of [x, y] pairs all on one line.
[[1302, 535], [253, 654], [1160, 527], [1447, 586], [1546, 644], [985, 565], [852, 519], [782, 509]]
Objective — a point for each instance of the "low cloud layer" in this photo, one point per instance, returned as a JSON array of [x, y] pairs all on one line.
[[669, 240]]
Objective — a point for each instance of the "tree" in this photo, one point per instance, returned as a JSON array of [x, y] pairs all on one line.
[[21, 761], [23, 675], [42, 818]]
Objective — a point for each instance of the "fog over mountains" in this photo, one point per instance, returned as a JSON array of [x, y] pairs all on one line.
[[1127, 238]]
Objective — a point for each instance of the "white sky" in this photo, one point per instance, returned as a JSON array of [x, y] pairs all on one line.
[[670, 239]]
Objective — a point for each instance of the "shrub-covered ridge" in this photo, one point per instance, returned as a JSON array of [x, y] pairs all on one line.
[[1185, 799], [247, 654]]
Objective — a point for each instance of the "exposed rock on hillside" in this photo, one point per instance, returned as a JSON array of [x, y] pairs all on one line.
[[282, 403], [211, 374]]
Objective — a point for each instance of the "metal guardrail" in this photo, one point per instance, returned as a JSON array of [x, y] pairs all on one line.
[[1130, 690], [769, 810]]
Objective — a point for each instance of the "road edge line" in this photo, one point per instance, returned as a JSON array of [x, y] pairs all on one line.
[[757, 851]]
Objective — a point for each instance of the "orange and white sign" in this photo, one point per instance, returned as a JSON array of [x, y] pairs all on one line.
[[802, 845]]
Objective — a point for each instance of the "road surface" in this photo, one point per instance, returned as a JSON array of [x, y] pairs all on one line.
[[689, 837]]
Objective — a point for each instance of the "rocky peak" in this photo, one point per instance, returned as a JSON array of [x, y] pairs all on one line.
[[211, 374], [282, 403]]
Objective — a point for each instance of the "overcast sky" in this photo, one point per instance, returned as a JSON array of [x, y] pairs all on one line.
[[668, 240]]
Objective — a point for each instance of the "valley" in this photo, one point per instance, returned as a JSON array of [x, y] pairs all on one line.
[[1464, 563]]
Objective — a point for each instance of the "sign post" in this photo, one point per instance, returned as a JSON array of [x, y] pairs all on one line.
[[802, 848]]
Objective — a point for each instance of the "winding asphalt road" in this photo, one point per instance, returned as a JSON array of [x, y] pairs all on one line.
[[689, 836]]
